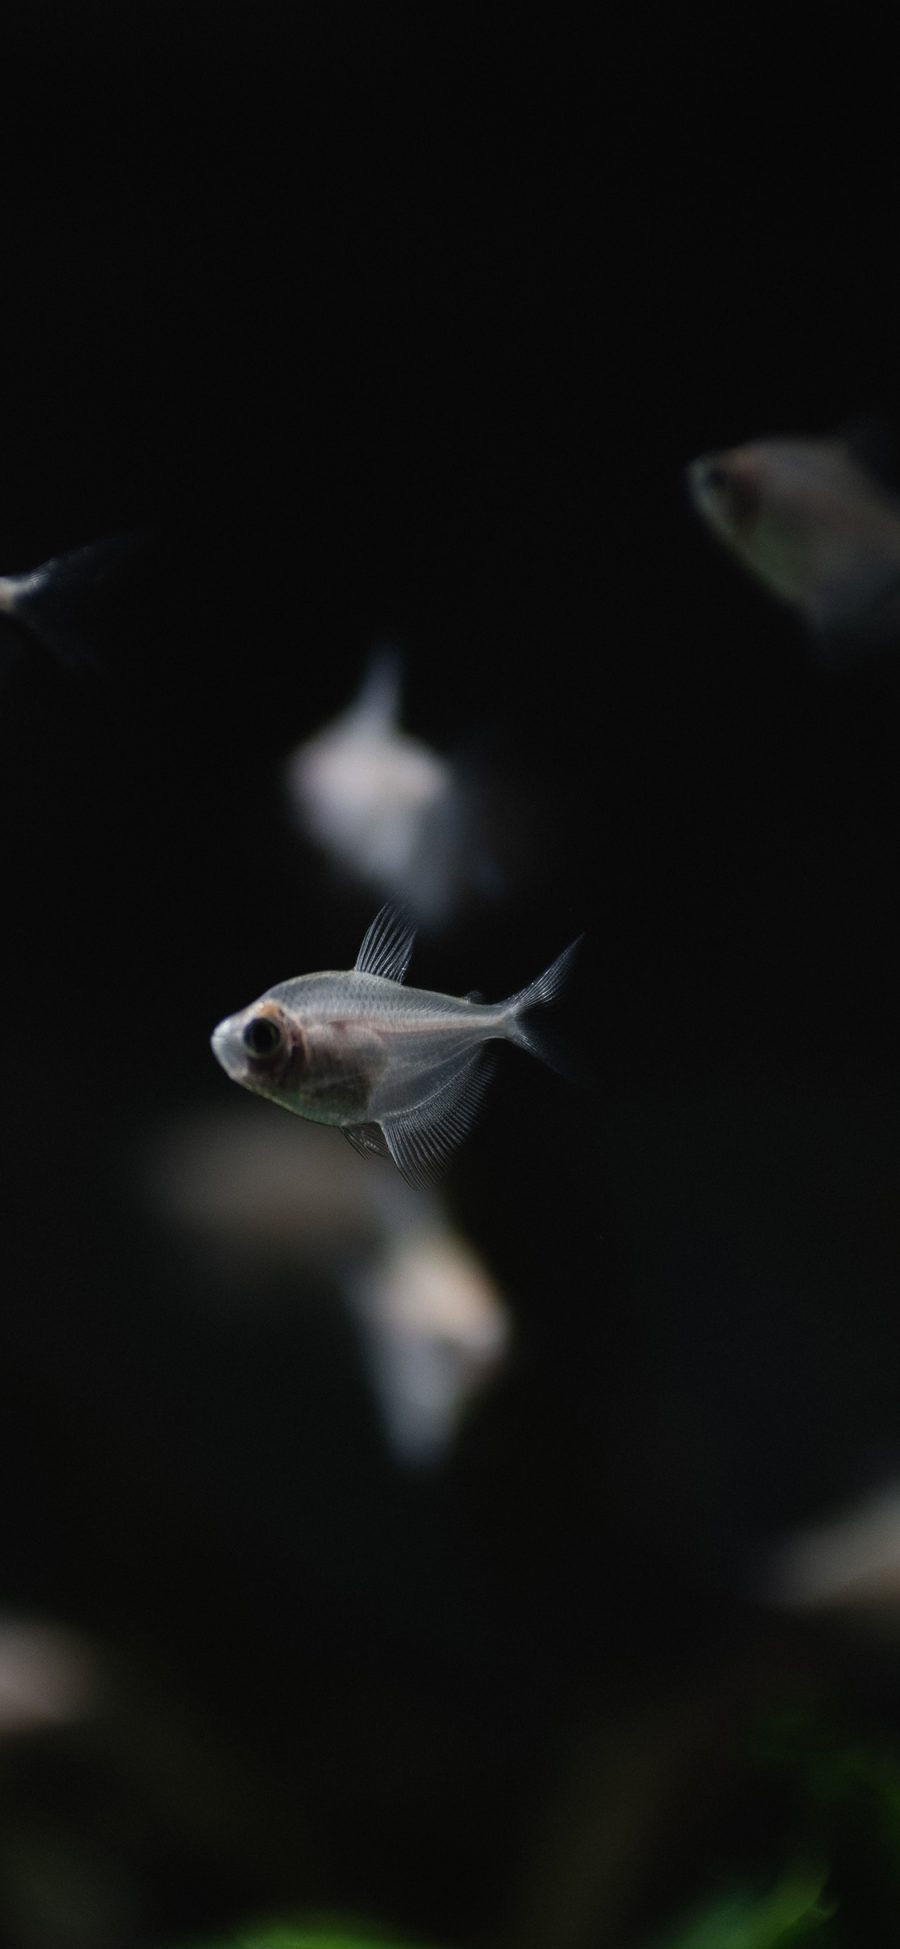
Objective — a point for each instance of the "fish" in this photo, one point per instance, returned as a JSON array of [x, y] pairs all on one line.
[[52, 602], [387, 810], [272, 1211], [400, 1070], [435, 1331], [850, 1562], [814, 525], [48, 1676]]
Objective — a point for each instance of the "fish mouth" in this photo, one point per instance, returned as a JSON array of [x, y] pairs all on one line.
[[222, 1042], [704, 479]]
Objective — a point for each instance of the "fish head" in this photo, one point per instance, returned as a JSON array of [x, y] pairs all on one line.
[[762, 502], [800, 514], [727, 491], [263, 1048], [296, 1048]]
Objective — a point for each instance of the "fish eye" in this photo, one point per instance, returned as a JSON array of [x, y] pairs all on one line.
[[262, 1036], [736, 490], [717, 479]]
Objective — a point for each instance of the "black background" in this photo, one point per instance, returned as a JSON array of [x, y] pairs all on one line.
[[392, 325]]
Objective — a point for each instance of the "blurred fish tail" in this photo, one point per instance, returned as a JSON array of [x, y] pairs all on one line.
[[541, 994]]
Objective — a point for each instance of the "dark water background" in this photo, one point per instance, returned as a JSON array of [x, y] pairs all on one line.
[[395, 328]]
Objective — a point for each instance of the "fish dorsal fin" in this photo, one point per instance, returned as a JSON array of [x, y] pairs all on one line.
[[377, 706], [367, 1138], [474, 995], [422, 1141], [388, 944]]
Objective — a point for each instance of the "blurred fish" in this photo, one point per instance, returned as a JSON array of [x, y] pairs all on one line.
[[389, 811], [400, 1070], [48, 1676], [808, 519], [53, 601], [260, 1192], [436, 1331], [851, 1562]]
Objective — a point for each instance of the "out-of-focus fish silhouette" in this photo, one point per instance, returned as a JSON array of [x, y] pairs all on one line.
[[53, 602], [851, 1562], [436, 1331], [401, 1071], [387, 810], [257, 1192], [48, 1676], [811, 522]]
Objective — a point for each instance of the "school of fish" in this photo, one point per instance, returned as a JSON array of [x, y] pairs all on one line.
[[401, 1071]]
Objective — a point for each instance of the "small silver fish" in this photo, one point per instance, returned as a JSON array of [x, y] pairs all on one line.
[[388, 810], [400, 1070], [809, 521]]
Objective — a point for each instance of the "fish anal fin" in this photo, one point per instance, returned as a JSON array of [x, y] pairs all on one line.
[[388, 943], [367, 1138], [421, 1141]]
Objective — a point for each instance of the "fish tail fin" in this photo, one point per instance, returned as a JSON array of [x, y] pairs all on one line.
[[55, 602], [541, 994]]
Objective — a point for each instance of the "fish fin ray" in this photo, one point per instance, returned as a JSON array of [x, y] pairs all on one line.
[[550, 984], [540, 994], [422, 1141], [388, 943], [366, 1138]]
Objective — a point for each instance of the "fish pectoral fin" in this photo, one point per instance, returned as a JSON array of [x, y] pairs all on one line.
[[367, 1138], [421, 1141], [388, 943]]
